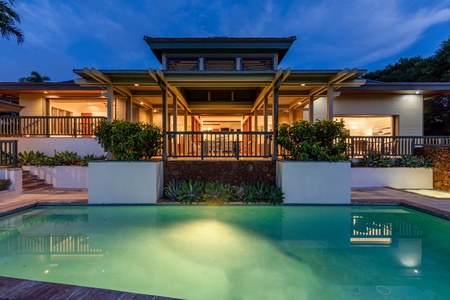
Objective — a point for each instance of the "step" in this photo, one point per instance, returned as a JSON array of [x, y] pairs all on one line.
[[32, 182]]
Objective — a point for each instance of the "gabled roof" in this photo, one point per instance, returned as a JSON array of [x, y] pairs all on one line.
[[211, 44]]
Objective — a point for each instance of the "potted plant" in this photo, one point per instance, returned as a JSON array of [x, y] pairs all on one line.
[[314, 168], [131, 177]]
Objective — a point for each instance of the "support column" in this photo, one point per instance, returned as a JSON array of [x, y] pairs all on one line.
[[266, 125], [109, 102], [164, 119], [276, 90], [129, 109], [174, 112], [311, 110], [330, 93], [150, 115], [291, 116]]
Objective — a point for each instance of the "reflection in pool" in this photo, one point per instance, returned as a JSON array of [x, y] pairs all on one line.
[[237, 252]]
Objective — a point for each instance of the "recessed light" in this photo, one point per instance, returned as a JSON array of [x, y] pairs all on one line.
[[142, 102], [136, 84], [303, 84], [45, 92], [417, 92]]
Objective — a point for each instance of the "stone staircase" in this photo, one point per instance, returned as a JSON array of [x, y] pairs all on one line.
[[32, 182]]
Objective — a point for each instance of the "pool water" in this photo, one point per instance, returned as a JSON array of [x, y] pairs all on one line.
[[234, 252]]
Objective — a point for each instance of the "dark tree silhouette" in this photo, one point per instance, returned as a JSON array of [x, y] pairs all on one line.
[[9, 20], [35, 77]]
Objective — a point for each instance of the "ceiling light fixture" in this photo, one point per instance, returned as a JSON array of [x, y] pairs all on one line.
[[136, 84]]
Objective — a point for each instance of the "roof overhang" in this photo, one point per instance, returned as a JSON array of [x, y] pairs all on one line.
[[197, 45], [10, 107]]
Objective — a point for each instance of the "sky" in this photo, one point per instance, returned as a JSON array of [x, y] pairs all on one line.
[[62, 35]]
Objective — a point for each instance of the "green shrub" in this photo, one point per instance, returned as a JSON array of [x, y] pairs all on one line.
[[5, 184], [320, 141], [129, 141]]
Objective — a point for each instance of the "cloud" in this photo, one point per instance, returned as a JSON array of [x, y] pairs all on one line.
[[108, 34]]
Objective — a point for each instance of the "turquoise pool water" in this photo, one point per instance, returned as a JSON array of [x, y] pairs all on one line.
[[236, 252]]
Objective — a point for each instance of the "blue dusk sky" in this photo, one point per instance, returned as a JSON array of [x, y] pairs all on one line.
[[62, 35]]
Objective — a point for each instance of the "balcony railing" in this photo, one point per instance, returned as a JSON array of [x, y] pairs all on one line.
[[80, 126], [8, 153], [392, 145], [219, 144]]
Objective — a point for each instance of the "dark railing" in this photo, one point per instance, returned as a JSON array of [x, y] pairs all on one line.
[[392, 145], [48, 126], [8, 153], [219, 144]]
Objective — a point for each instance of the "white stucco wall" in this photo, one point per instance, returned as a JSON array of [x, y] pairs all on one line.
[[409, 108], [34, 105], [83, 146]]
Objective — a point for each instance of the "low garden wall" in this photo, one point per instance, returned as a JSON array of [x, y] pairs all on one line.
[[441, 170], [232, 172]]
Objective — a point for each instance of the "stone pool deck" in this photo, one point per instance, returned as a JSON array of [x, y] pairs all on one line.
[[11, 288]]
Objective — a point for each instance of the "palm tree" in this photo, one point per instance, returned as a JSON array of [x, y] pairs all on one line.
[[8, 20], [35, 77]]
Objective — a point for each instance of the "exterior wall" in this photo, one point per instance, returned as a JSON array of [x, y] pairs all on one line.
[[34, 105], [83, 146], [409, 108], [441, 169], [15, 175], [157, 119], [120, 109], [231, 172]]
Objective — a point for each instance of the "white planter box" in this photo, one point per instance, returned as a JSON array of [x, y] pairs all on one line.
[[314, 182], [70, 177], [15, 175], [400, 178], [119, 182]]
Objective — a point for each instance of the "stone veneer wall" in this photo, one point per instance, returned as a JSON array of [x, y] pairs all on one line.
[[232, 172], [441, 169]]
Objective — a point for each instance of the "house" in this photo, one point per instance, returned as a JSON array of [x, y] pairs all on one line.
[[215, 97]]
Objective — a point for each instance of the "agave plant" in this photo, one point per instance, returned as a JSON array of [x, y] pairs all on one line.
[[237, 193], [260, 191], [274, 194], [65, 158], [190, 191], [216, 193], [413, 161], [375, 161], [172, 189], [249, 193]]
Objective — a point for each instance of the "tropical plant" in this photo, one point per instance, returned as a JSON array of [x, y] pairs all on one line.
[[8, 22], [34, 77], [375, 160], [91, 157], [190, 191], [5, 184], [31, 158], [250, 194], [260, 189], [172, 190], [321, 141], [237, 193], [129, 141], [64, 158], [274, 195], [216, 193], [413, 161]]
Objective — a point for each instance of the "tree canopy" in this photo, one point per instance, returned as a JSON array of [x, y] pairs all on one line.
[[9, 20], [34, 77], [435, 68]]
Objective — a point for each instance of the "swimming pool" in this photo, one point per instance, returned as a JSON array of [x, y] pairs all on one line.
[[234, 252]]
